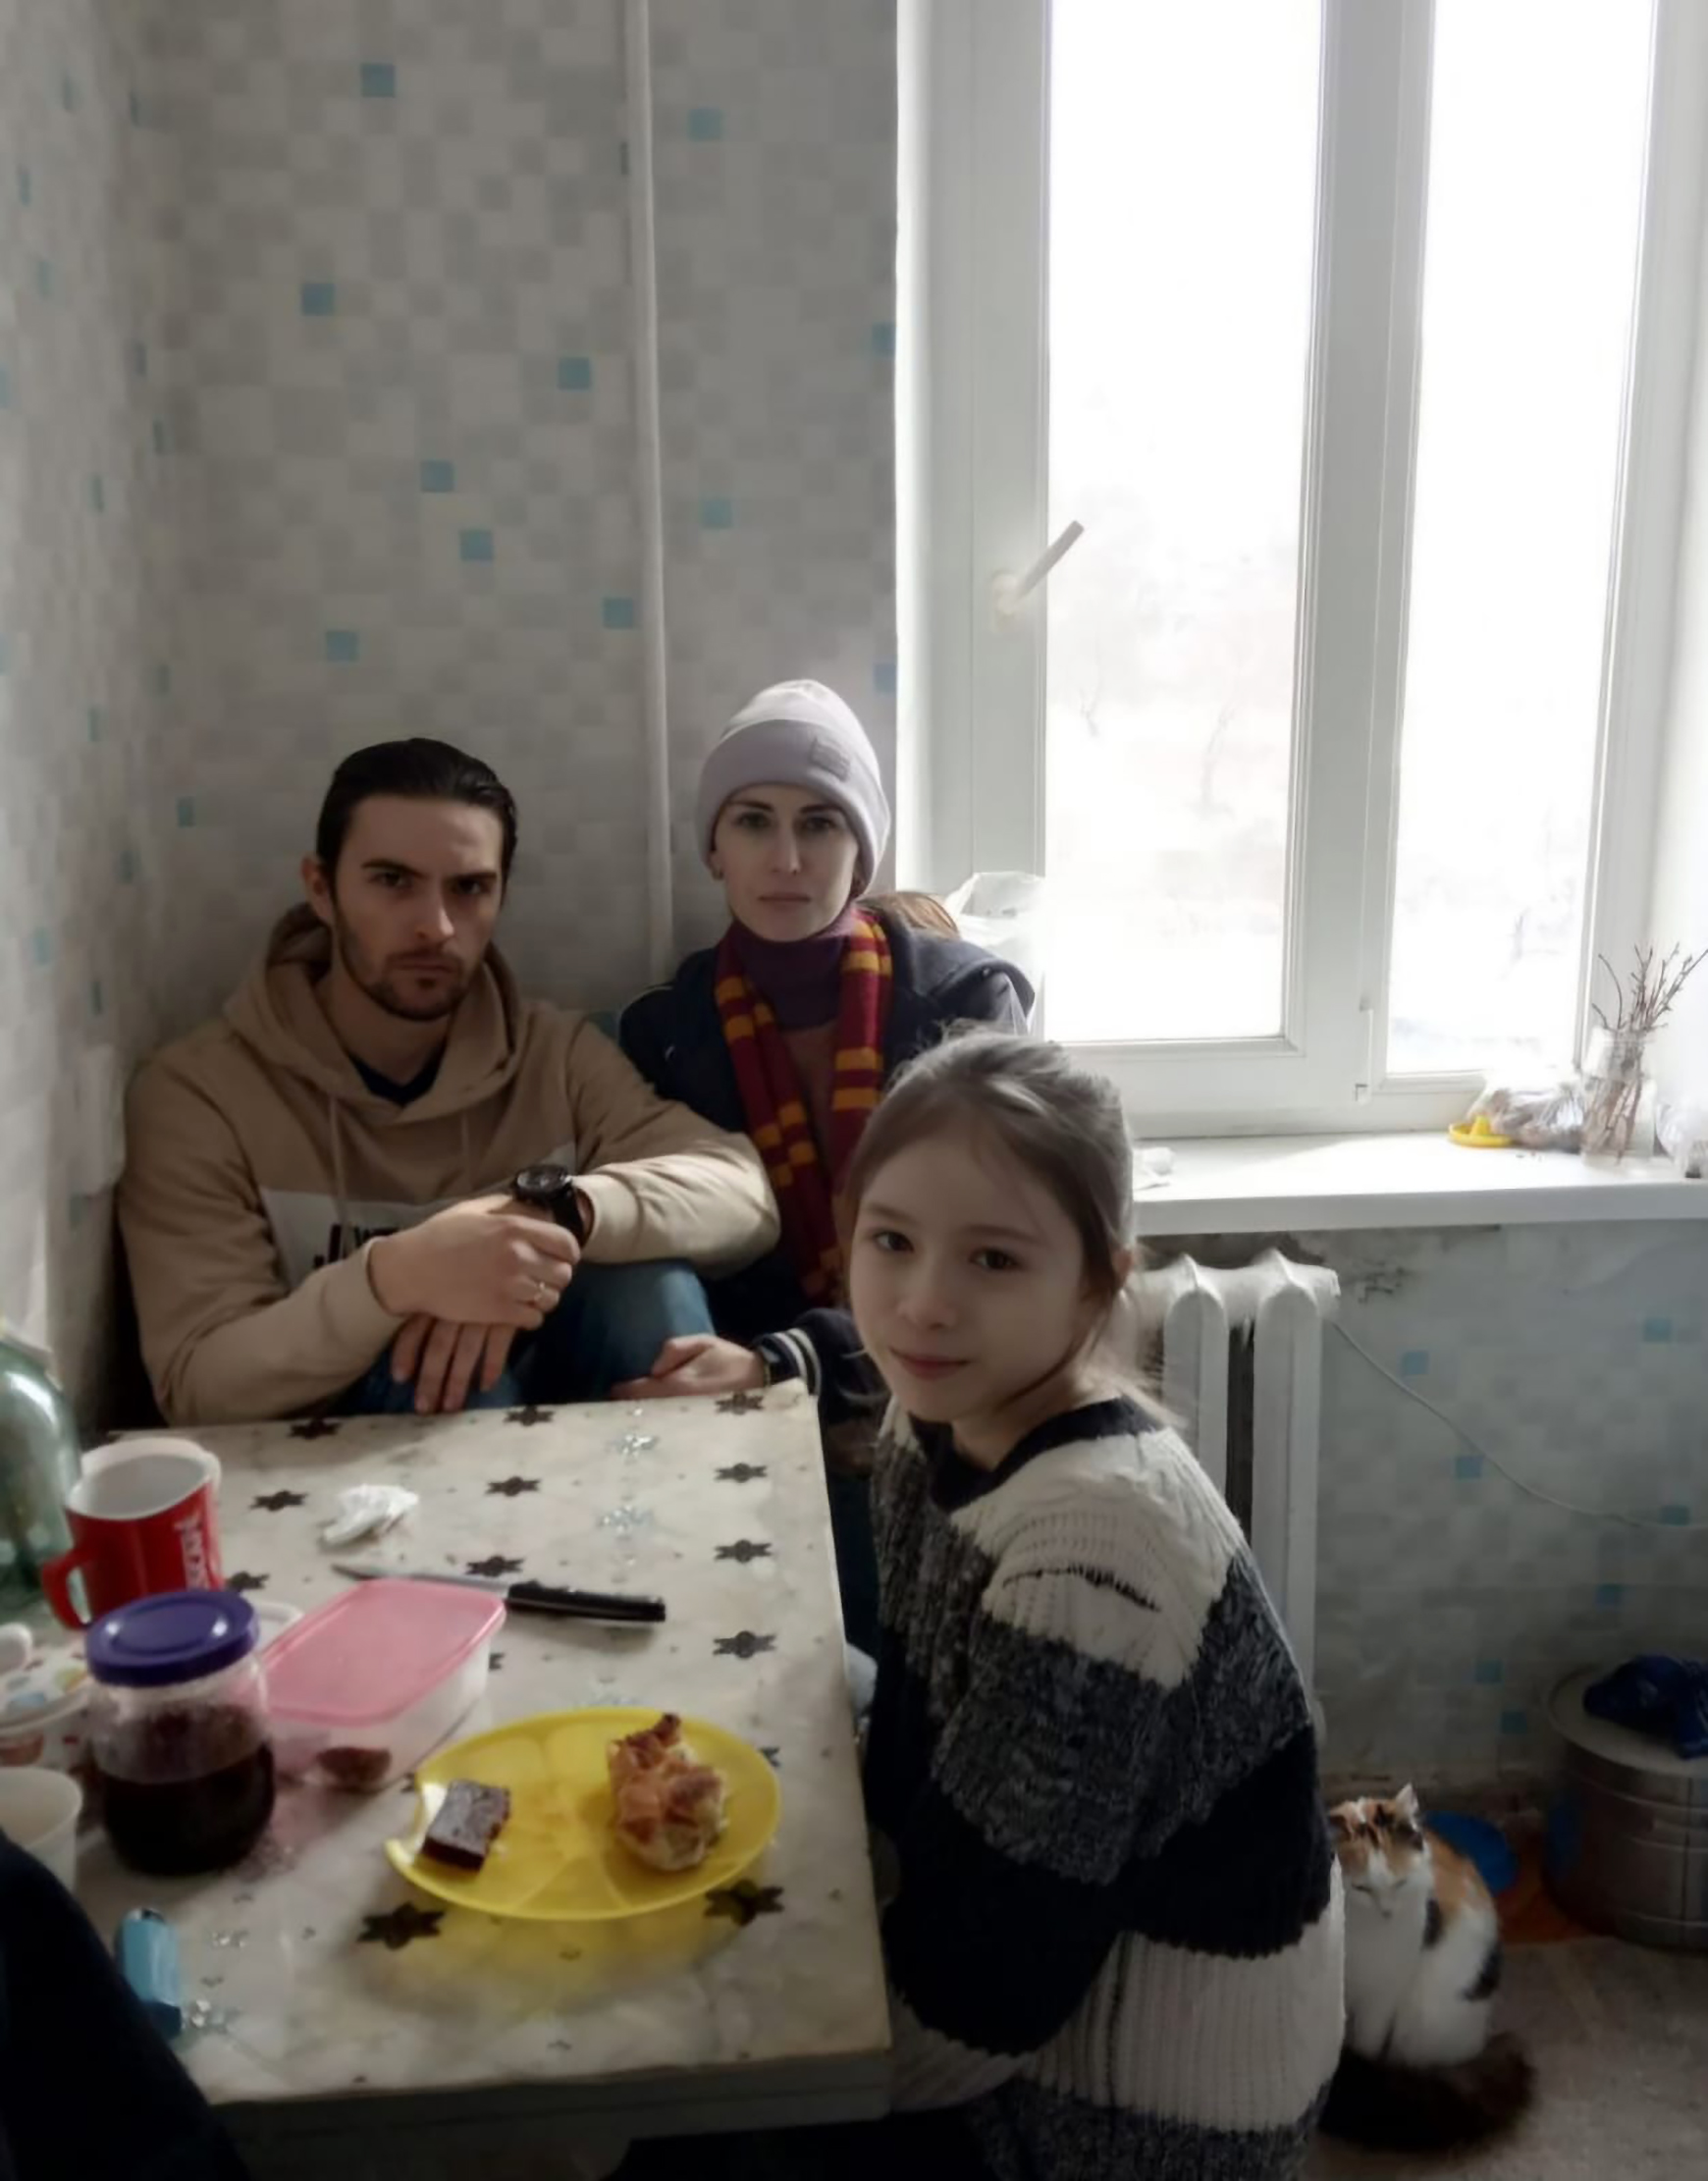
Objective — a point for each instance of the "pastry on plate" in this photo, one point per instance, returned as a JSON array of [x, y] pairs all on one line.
[[668, 1806]]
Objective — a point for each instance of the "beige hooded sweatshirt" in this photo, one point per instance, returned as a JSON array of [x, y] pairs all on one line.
[[262, 1168]]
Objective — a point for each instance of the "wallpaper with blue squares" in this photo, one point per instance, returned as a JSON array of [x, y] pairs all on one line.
[[775, 161], [402, 331], [317, 426], [1552, 1514], [91, 516]]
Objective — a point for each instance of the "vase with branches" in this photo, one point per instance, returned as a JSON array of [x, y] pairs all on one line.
[[1617, 1095]]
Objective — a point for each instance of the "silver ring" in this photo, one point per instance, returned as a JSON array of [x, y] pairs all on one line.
[[542, 1294]]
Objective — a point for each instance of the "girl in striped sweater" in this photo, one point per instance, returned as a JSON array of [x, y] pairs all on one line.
[[1113, 1930]]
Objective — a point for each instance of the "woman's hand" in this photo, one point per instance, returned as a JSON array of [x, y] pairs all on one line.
[[696, 1363]]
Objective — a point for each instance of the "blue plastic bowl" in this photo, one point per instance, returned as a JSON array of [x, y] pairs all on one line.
[[1481, 1843]]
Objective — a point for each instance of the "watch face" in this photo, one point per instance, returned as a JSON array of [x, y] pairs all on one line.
[[545, 1181]]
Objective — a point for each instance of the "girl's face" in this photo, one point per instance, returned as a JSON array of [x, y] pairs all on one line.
[[786, 858], [967, 1284]]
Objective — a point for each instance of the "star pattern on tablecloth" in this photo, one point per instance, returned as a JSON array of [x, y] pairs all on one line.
[[746, 1645], [744, 1900], [275, 1503], [741, 1472], [743, 1549], [771, 1754], [512, 1487], [317, 1427], [398, 1926], [528, 1414], [740, 1403], [243, 1582], [495, 1563]]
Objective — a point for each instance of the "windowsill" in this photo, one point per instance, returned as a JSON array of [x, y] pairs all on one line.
[[1265, 1184]]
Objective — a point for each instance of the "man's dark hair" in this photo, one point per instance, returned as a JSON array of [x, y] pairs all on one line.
[[430, 771]]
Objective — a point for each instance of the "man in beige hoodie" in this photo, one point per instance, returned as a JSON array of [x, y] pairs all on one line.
[[381, 1180]]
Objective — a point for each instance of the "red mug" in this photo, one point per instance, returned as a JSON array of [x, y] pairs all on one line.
[[142, 1518]]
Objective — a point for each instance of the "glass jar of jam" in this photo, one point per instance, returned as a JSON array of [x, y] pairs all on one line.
[[177, 1730]]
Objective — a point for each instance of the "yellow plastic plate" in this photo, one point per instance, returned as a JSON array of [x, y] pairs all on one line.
[[558, 1859]]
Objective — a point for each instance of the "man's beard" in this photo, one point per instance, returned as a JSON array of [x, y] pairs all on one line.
[[384, 994]]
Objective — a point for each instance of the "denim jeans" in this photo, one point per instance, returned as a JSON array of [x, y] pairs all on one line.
[[609, 1327]]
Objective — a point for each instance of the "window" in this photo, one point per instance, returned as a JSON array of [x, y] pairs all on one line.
[[1179, 352], [1351, 335], [1537, 131]]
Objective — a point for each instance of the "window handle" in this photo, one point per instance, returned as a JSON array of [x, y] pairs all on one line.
[[1007, 591]]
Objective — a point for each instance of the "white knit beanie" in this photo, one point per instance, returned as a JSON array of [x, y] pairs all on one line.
[[799, 734]]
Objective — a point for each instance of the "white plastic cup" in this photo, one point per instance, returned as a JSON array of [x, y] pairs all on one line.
[[40, 1809]]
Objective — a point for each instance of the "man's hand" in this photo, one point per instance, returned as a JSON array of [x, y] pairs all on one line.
[[486, 1263], [445, 1361], [693, 1363]]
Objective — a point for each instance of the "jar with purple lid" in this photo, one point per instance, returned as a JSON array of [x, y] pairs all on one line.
[[177, 1730]]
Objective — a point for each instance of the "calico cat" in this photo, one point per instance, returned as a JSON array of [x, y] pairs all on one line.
[[1420, 2070]]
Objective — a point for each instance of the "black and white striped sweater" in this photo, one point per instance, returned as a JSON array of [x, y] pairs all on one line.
[[1117, 1933]]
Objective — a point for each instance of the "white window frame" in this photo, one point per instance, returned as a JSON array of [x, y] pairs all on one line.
[[972, 491]]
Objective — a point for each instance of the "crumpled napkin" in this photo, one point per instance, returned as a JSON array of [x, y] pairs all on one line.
[[367, 1511]]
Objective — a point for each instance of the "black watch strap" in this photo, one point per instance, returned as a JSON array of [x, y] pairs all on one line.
[[551, 1190]]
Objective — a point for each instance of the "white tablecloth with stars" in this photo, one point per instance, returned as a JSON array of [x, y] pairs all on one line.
[[341, 2015]]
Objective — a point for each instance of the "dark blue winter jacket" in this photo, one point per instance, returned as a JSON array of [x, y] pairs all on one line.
[[674, 1036]]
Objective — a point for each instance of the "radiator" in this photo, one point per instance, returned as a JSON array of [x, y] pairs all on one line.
[[1237, 1357]]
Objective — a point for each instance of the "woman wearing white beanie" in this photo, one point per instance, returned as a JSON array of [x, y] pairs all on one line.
[[789, 1028]]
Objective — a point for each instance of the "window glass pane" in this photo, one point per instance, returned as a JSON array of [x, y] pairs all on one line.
[[1537, 132], [1182, 217]]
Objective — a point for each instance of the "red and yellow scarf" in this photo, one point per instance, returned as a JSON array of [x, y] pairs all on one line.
[[777, 1109]]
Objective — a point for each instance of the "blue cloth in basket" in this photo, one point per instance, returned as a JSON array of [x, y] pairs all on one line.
[[1667, 1698]]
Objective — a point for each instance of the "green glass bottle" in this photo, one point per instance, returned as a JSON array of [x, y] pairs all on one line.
[[38, 1465]]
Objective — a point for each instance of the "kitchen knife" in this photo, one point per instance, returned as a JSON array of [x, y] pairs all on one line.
[[526, 1597]]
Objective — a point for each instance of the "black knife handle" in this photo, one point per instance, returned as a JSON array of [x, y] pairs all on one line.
[[583, 1605]]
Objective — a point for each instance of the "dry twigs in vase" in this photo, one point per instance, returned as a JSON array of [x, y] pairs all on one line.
[[1616, 1079]]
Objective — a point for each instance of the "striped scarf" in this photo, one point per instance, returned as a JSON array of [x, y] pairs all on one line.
[[777, 1109]]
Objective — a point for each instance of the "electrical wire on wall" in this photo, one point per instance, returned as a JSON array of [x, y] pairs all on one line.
[[649, 485], [1535, 1492]]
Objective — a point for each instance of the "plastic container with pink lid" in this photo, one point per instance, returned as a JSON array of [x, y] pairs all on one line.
[[363, 1689]]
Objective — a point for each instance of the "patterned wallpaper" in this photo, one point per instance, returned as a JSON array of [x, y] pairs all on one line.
[[1453, 1590], [88, 527], [401, 326], [776, 162], [316, 427]]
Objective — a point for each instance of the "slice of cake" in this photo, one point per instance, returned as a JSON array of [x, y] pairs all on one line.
[[469, 1819]]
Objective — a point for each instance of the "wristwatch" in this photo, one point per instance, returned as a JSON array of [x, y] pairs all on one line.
[[551, 1190]]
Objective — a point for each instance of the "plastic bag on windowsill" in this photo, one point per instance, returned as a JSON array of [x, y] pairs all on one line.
[[1683, 1134], [1006, 912], [1537, 1116]]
